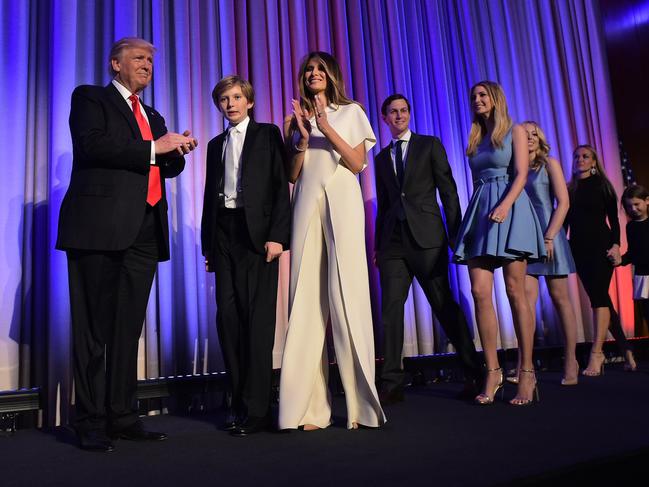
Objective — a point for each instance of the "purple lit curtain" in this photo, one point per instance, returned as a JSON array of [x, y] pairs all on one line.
[[548, 55]]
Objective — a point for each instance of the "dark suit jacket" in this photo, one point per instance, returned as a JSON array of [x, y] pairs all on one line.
[[427, 171], [264, 185], [104, 206]]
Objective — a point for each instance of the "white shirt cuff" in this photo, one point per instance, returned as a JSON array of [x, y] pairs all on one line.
[[152, 159]]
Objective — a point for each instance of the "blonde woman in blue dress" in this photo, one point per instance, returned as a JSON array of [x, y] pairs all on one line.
[[330, 136], [500, 229], [546, 183]]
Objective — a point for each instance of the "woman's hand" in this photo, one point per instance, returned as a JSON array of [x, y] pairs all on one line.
[[549, 248], [302, 122], [614, 256], [320, 114], [499, 213]]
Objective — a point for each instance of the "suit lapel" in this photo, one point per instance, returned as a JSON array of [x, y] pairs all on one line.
[[220, 166], [220, 140], [412, 156], [157, 128], [386, 166], [116, 98], [248, 143]]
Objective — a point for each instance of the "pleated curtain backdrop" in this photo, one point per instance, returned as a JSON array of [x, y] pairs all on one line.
[[548, 55]]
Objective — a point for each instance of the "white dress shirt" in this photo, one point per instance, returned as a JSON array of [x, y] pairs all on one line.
[[405, 138], [123, 90], [232, 148]]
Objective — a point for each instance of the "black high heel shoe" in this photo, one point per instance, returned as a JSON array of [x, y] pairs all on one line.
[[485, 399]]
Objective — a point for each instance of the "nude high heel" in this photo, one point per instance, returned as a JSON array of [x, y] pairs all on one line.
[[535, 395], [513, 379], [595, 365], [485, 399], [572, 379], [630, 364]]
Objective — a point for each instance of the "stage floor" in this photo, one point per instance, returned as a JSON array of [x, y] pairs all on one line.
[[575, 434]]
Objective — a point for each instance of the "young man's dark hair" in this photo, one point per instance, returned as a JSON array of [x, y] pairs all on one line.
[[390, 99]]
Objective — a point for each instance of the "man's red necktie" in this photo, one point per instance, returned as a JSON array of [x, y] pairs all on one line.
[[154, 192]]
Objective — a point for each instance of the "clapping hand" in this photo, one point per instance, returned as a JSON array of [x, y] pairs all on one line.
[[190, 144], [173, 142], [320, 114], [302, 122]]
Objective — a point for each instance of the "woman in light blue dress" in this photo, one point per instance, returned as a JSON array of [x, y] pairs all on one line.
[[500, 229], [545, 183]]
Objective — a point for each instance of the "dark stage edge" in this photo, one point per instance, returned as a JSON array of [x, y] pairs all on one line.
[[576, 436]]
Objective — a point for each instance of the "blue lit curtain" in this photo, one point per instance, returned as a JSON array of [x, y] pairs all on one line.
[[548, 55]]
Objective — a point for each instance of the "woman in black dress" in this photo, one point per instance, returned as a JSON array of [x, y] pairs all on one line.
[[595, 245]]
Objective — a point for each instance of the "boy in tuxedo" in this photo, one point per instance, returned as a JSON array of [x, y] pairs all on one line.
[[245, 228]]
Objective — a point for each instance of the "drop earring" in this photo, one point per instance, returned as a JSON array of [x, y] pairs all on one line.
[[593, 170]]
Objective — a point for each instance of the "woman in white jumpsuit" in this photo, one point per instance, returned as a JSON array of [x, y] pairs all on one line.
[[330, 136]]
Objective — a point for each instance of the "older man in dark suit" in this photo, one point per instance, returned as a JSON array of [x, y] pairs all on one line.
[[411, 241], [113, 227]]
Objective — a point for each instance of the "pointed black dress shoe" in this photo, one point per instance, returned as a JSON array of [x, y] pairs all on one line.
[[251, 426], [136, 432], [231, 422], [95, 440], [469, 391], [391, 397]]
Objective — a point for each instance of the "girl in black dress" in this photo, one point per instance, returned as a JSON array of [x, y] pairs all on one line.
[[635, 201], [595, 246]]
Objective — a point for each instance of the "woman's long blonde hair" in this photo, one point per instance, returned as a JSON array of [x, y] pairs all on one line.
[[541, 156], [502, 120]]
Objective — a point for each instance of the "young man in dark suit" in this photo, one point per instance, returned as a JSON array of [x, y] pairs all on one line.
[[113, 227], [411, 241], [245, 228]]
